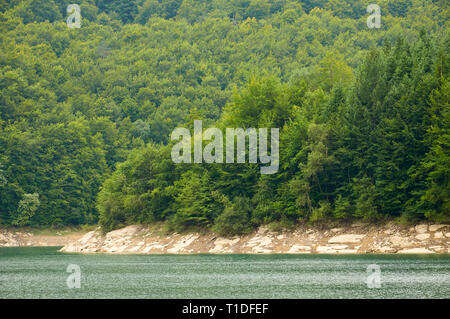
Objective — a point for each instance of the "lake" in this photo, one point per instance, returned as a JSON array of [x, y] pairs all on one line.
[[41, 272]]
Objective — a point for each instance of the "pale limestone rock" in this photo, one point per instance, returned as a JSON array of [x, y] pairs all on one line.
[[421, 228], [335, 249], [423, 236], [221, 250], [436, 227], [88, 250], [346, 238], [156, 245], [253, 241], [259, 241], [122, 249], [295, 249], [261, 250], [110, 249], [265, 241], [146, 250], [224, 242], [386, 250], [325, 250], [86, 238], [126, 232], [338, 246], [220, 243], [184, 242], [72, 248], [312, 237], [400, 241], [153, 246], [129, 240], [262, 230], [9, 240], [419, 250], [135, 248], [439, 235], [347, 251]]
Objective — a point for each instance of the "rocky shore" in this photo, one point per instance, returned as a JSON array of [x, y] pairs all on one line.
[[12, 238], [350, 239]]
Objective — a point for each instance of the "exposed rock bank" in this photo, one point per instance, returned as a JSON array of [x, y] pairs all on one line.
[[354, 239], [10, 238]]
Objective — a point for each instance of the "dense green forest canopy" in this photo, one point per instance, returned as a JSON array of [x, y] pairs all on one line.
[[86, 114]]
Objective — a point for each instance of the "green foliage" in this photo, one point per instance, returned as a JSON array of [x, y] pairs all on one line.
[[3, 179], [321, 213], [38, 11], [262, 103], [435, 168], [342, 208], [27, 207], [235, 219], [366, 198], [140, 190], [194, 203], [86, 114]]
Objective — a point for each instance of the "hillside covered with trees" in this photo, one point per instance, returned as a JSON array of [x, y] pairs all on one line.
[[86, 113]]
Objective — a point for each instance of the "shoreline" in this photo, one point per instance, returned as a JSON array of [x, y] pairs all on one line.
[[27, 238], [356, 238]]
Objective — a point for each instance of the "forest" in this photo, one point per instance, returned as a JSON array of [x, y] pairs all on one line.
[[86, 113]]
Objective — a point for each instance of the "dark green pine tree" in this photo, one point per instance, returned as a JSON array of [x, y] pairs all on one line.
[[434, 170], [125, 9]]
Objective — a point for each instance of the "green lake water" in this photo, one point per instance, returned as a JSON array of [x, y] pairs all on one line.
[[40, 272]]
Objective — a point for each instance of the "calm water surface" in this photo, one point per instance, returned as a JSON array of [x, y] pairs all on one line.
[[40, 272]]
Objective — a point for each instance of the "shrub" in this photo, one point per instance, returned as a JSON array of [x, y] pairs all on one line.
[[342, 208], [321, 213], [27, 207], [235, 220]]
